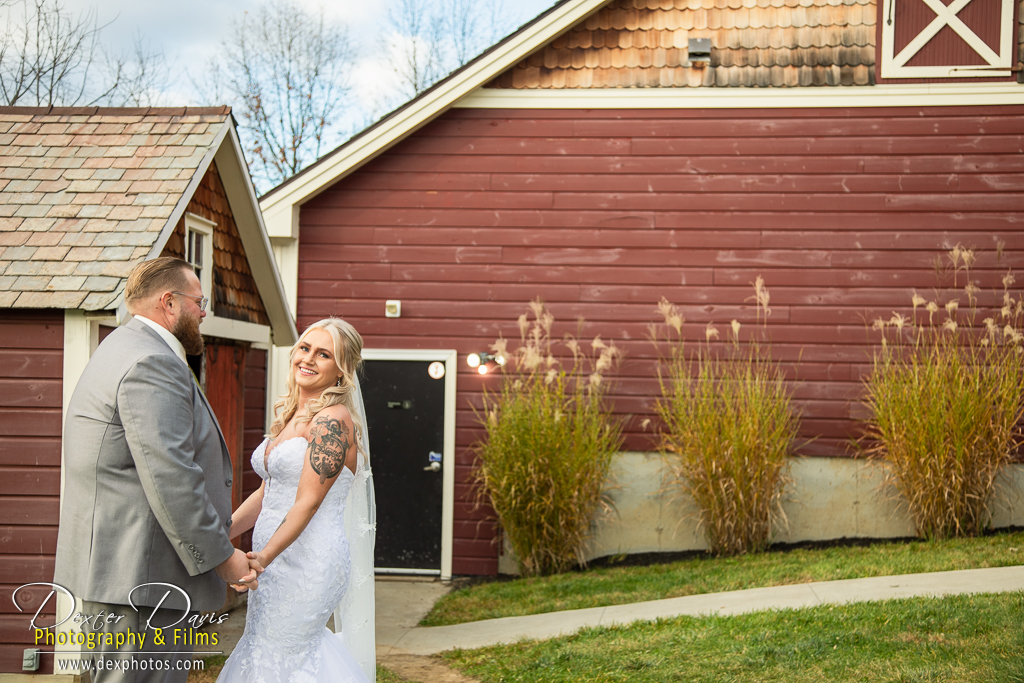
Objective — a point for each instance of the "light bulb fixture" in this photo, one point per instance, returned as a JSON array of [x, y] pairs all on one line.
[[476, 360], [480, 361]]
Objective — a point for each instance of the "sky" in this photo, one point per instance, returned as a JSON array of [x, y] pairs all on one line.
[[189, 32]]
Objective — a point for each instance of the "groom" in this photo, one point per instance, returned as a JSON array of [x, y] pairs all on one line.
[[147, 495]]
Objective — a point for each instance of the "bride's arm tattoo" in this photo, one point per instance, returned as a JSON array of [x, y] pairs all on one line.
[[328, 447]]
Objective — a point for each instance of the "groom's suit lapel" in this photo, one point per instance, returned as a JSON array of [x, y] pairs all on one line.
[[196, 389]]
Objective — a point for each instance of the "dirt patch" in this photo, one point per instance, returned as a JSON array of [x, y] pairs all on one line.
[[419, 669]]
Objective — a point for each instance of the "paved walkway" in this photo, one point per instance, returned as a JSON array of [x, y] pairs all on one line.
[[401, 604]]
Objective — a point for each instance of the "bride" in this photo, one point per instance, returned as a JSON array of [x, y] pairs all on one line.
[[315, 503]]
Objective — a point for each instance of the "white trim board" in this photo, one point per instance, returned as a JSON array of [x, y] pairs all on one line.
[[913, 95], [239, 330], [449, 358]]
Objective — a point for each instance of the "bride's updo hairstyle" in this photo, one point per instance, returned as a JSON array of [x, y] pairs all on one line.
[[348, 346]]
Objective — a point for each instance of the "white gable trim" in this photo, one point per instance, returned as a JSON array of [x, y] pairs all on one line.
[[234, 174], [915, 95], [280, 205]]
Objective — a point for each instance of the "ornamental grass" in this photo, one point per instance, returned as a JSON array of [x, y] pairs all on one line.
[[728, 428], [945, 399], [544, 464]]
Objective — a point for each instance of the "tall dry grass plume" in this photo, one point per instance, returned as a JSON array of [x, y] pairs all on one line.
[[544, 464], [728, 429], [945, 397]]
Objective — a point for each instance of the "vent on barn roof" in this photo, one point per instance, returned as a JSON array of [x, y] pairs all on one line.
[[700, 51]]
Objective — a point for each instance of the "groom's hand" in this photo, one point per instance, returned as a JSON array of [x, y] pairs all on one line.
[[236, 571]]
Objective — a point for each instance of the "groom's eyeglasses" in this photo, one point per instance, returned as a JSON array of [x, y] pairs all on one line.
[[201, 301]]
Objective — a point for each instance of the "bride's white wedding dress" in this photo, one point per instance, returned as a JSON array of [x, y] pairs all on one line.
[[286, 639]]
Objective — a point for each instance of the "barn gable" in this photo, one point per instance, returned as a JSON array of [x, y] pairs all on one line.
[[235, 294], [765, 43]]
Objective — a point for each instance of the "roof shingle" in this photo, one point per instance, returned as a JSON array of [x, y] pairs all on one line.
[[767, 43], [86, 192]]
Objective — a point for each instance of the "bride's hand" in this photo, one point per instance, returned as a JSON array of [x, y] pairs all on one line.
[[257, 562]]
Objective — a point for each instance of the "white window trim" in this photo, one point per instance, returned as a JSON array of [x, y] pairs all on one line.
[[894, 65], [198, 224], [214, 326]]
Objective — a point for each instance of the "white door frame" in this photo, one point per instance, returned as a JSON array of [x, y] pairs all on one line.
[[448, 357]]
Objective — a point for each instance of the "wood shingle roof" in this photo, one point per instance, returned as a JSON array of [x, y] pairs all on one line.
[[768, 43], [85, 193]]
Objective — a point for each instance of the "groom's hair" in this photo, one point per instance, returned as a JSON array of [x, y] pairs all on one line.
[[157, 275]]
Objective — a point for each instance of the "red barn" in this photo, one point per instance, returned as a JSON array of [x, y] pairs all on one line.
[[614, 152]]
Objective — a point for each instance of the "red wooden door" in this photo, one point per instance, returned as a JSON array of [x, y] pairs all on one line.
[[225, 390]]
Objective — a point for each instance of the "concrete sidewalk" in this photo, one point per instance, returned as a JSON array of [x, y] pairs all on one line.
[[401, 604]]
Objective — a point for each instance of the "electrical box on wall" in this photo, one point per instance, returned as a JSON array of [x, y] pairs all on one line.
[[392, 308]]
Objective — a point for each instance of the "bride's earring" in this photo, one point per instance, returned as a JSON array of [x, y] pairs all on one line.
[[338, 383]]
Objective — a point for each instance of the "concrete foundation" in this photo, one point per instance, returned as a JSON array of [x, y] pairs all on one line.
[[829, 498]]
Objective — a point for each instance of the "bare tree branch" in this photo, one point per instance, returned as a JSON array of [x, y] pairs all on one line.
[[285, 70], [49, 56], [428, 40], [415, 45]]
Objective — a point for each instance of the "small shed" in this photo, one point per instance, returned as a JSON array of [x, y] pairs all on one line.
[[85, 194], [612, 152]]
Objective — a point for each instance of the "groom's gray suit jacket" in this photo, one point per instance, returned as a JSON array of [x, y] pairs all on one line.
[[147, 492]]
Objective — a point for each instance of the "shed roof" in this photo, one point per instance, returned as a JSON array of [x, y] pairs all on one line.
[[87, 193]]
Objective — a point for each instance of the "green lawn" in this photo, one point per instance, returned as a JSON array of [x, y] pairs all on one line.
[[619, 585], [960, 639]]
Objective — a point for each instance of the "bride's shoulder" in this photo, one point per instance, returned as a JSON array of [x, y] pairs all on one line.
[[331, 415]]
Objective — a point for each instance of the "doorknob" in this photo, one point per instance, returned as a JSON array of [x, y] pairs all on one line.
[[433, 467]]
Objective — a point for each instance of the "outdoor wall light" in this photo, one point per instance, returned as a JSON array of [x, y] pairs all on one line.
[[480, 361]]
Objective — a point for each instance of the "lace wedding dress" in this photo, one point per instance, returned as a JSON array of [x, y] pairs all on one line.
[[285, 638]]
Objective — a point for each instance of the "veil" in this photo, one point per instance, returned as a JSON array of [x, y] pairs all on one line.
[[354, 616]]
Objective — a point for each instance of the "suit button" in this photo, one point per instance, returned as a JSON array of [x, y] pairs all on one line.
[[228, 483], [199, 561], [192, 547]]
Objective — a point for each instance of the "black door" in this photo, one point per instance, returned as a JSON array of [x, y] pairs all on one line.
[[405, 416]]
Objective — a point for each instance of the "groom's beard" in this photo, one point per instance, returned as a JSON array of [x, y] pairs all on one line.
[[186, 330]]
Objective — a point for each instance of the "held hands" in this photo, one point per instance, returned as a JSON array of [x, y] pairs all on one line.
[[255, 569], [240, 571]]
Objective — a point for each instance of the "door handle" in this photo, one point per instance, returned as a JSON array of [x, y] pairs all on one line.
[[433, 467]]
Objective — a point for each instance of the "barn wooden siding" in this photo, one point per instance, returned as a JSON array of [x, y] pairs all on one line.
[[31, 394], [234, 289], [602, 213]]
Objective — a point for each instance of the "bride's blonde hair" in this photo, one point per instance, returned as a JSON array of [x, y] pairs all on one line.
[[348, 346]]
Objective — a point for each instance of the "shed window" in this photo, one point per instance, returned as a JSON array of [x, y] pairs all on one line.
[[199, 249], [930, 39]]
